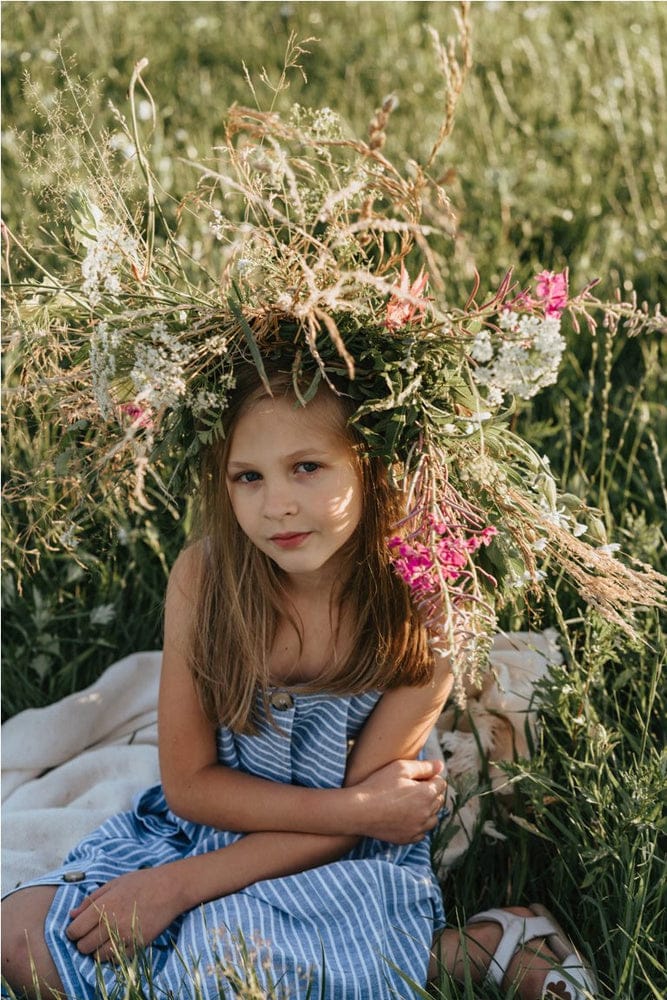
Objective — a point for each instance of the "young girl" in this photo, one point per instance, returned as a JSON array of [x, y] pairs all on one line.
[[292, 823]]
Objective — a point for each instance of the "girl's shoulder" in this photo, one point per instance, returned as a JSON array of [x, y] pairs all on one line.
[[186, 573]]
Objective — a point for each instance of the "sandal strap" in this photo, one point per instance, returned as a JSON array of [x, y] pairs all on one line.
[[517, 931], [570, 975]]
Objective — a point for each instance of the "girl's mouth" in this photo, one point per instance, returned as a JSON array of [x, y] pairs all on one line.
[[290, 540]]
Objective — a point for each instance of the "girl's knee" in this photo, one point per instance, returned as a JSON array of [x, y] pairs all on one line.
[[26, 959]]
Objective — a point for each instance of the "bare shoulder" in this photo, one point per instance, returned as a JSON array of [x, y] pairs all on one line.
[[182, 591], [186, 573]]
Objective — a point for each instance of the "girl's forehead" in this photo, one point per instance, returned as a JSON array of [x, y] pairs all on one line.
[[324, 410], [322, 417]]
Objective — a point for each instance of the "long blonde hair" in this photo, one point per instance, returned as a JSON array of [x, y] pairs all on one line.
[[241, 596]]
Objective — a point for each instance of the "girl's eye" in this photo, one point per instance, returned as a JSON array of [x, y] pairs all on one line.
[[307, 467], [248, 477]]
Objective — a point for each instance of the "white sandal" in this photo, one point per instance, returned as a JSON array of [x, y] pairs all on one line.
[[572, 979]]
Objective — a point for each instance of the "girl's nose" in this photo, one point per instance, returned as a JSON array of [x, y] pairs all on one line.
[[279, 501]]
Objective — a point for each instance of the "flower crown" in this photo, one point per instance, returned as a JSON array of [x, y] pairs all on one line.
[[305, 253]]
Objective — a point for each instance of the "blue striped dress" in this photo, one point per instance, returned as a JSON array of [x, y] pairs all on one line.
[[350, 930]]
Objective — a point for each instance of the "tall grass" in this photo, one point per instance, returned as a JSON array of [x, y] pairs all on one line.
[[557, 158]]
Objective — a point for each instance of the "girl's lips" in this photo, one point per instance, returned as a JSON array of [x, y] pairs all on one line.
[[291, 540]]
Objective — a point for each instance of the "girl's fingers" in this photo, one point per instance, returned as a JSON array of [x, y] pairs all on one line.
[[94, 941], [420, 770], [85, 903], [89, 919]]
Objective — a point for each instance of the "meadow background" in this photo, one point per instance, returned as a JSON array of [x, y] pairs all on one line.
[[557, 159]]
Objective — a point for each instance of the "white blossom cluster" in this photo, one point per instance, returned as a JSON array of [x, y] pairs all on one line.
[[524, 361], [158, 374], [103, 347], [321, 123], [206, 401], [104, 256]]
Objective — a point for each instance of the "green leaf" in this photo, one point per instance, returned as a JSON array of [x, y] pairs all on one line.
[[252, 343]]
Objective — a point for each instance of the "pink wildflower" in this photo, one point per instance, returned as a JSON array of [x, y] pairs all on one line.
[[552, 290], [400, 311], [485, 537], [414, 564], [423, 568], [138, 415]]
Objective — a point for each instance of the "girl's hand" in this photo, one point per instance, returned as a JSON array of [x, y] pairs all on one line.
[[128, 911], [401, 801]]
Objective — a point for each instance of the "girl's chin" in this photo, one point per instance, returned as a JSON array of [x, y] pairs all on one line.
[[299, 566]]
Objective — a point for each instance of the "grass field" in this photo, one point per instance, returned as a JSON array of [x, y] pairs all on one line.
[[557, 158]]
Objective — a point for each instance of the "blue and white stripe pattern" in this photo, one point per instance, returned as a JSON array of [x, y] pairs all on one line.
[[326, 932]]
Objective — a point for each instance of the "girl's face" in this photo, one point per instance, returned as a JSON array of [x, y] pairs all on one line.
[[294, 484]]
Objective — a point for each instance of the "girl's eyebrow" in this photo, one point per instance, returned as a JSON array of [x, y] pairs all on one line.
[[294, 456]]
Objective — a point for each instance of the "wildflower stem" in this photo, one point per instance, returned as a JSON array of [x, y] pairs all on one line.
[[143, 163], [40, 267]]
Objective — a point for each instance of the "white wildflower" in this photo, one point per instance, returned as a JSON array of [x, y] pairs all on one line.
[[103, 614], [494, 396], [68, 538], [609, 549], [159, 371], [103, 346], [204, 402], [527, 578], [525, 361], [508, 319], [579, 529], [326, 124], [555, 516], [482, 348], [218, 225], [104, 257]]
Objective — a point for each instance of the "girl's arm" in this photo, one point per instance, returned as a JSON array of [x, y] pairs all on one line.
[[396, 803], [138, 906]]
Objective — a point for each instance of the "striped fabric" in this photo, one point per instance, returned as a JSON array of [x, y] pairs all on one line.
[[335, 932]]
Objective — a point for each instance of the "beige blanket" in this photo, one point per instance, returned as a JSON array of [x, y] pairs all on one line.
[[67, 767]]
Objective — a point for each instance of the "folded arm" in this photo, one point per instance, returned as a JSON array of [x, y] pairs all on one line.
[[386, 793]]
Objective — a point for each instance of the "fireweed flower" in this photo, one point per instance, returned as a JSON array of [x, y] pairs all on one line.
[[407, 303], [552, 291], [425, 567], [139, 415]]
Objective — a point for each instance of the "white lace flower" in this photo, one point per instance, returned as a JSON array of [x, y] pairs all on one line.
[[103, 346], [159, 371], [525, 361], [482, 348], [104, 257], [103, 614]]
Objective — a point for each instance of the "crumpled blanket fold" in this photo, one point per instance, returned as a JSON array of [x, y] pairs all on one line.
[[69, 766]]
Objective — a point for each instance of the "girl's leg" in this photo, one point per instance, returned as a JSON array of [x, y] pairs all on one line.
[[25, 956], [470, 953]]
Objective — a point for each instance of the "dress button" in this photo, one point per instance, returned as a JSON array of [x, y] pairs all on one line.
[[74, 876], [281, 700]]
